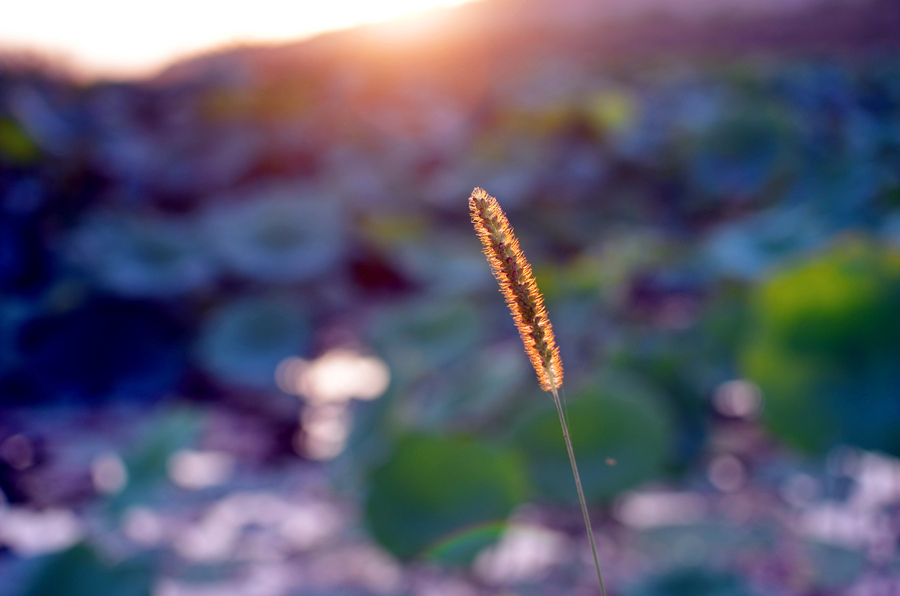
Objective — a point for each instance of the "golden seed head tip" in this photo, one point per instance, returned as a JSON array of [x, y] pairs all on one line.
[[517, 284]]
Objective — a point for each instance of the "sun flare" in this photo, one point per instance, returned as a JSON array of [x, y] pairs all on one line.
[[124, 38]]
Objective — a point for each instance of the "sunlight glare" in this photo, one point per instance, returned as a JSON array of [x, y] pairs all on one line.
[[126, 39]]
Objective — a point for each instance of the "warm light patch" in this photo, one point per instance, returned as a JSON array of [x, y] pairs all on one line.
[[334, 377], [327, 385], [195, 470], [130, 39]]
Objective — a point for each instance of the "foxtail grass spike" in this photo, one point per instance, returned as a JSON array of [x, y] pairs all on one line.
[[518, 287], [527, 306]]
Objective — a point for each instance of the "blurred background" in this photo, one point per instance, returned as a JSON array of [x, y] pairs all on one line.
[[249, 344]]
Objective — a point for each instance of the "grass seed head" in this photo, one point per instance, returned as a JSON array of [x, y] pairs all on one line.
[[517, 284]]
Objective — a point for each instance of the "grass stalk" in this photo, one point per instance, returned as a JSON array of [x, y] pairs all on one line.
[[581, 499], [526, 304]]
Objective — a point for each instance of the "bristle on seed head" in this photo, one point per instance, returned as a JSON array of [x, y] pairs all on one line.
[[518, 287]]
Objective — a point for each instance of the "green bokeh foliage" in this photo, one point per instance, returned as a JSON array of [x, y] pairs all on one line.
[[434, 488], [691, 581], [80, 571], [824, 348], [617, 417]]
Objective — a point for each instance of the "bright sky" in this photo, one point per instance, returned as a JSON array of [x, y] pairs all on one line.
[[122, 37]]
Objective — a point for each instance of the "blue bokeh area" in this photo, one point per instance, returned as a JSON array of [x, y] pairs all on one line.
[[249, 344]]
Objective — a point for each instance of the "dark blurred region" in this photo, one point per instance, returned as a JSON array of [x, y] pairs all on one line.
[[249, 345]]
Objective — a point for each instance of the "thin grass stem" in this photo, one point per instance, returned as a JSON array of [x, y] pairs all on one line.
[[526, 304], [581, 499]]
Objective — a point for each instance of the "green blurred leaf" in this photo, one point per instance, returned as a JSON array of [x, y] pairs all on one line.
[[79, 571], [436, 488], [823, 347], [147, 467], [617, 418], [15, 144], [461, 547], [691, 581]]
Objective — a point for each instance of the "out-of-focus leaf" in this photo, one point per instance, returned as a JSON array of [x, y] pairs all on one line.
[[141, 256], [426, 335], [744, 152], [243, 342], [691, 581], [621, 433], [823, 348], [277, 234], [749, 248], [613, 110], [15, 144], [474, 390], [147, 469], [433, 491], [685, 366], [462, 269], [80, 571], [834, 567], [704, 540]]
